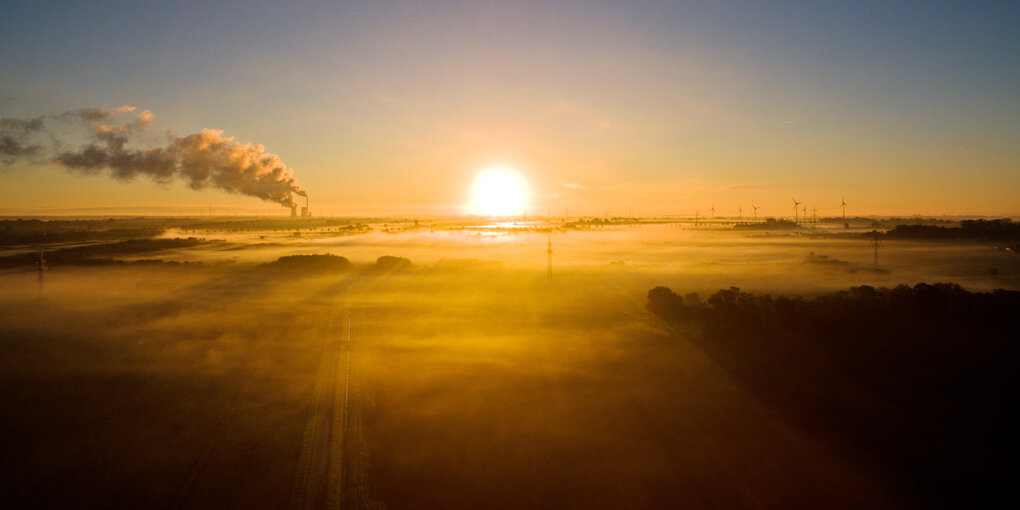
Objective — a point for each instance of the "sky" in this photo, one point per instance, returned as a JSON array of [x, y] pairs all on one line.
[[647, 108]]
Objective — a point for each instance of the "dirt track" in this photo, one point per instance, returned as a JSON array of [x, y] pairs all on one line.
[[319, 479]]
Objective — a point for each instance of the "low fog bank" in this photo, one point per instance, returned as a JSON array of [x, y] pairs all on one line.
[[473, 385], [976, 254], [478, 380], [132, 387], [494, 388]]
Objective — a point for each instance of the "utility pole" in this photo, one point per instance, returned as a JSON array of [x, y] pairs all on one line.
[[548, 267], [876, 249], [40, 265]]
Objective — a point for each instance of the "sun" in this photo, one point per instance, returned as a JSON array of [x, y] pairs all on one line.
[[498, 191]]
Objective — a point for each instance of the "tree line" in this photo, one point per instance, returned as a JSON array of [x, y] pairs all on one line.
[[918, 378]]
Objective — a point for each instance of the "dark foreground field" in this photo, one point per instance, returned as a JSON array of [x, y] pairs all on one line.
[[918, 380], [469, 386]]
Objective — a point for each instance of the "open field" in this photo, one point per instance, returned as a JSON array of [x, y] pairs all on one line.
[[509, 255], [130, 379]]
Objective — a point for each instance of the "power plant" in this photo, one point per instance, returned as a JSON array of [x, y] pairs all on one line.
[[305, 211]]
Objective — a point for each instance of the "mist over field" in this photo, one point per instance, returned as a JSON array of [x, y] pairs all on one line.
[[509, 255], [438, 364]]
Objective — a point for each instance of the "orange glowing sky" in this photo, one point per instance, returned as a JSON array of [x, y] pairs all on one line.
[[631, 109]]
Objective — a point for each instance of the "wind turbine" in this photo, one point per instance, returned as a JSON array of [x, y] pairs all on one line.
[[755, 211], [796, 210], [713, 211], [740, 212], [843, 204]]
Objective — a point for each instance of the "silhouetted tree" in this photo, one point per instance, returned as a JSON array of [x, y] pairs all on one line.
[[918, 377]]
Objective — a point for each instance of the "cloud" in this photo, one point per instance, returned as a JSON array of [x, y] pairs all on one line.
[[206, 159], [144, 118], [20, 139]]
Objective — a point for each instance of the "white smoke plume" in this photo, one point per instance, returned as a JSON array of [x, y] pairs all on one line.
[[106, 144]]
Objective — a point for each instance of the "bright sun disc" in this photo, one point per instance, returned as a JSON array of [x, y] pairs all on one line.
[[499, 192]]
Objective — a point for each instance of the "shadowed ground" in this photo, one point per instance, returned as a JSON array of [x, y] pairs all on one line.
[[501, 405], [473, 388]]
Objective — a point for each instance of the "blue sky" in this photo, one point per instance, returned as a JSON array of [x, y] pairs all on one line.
[[387, 107]]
